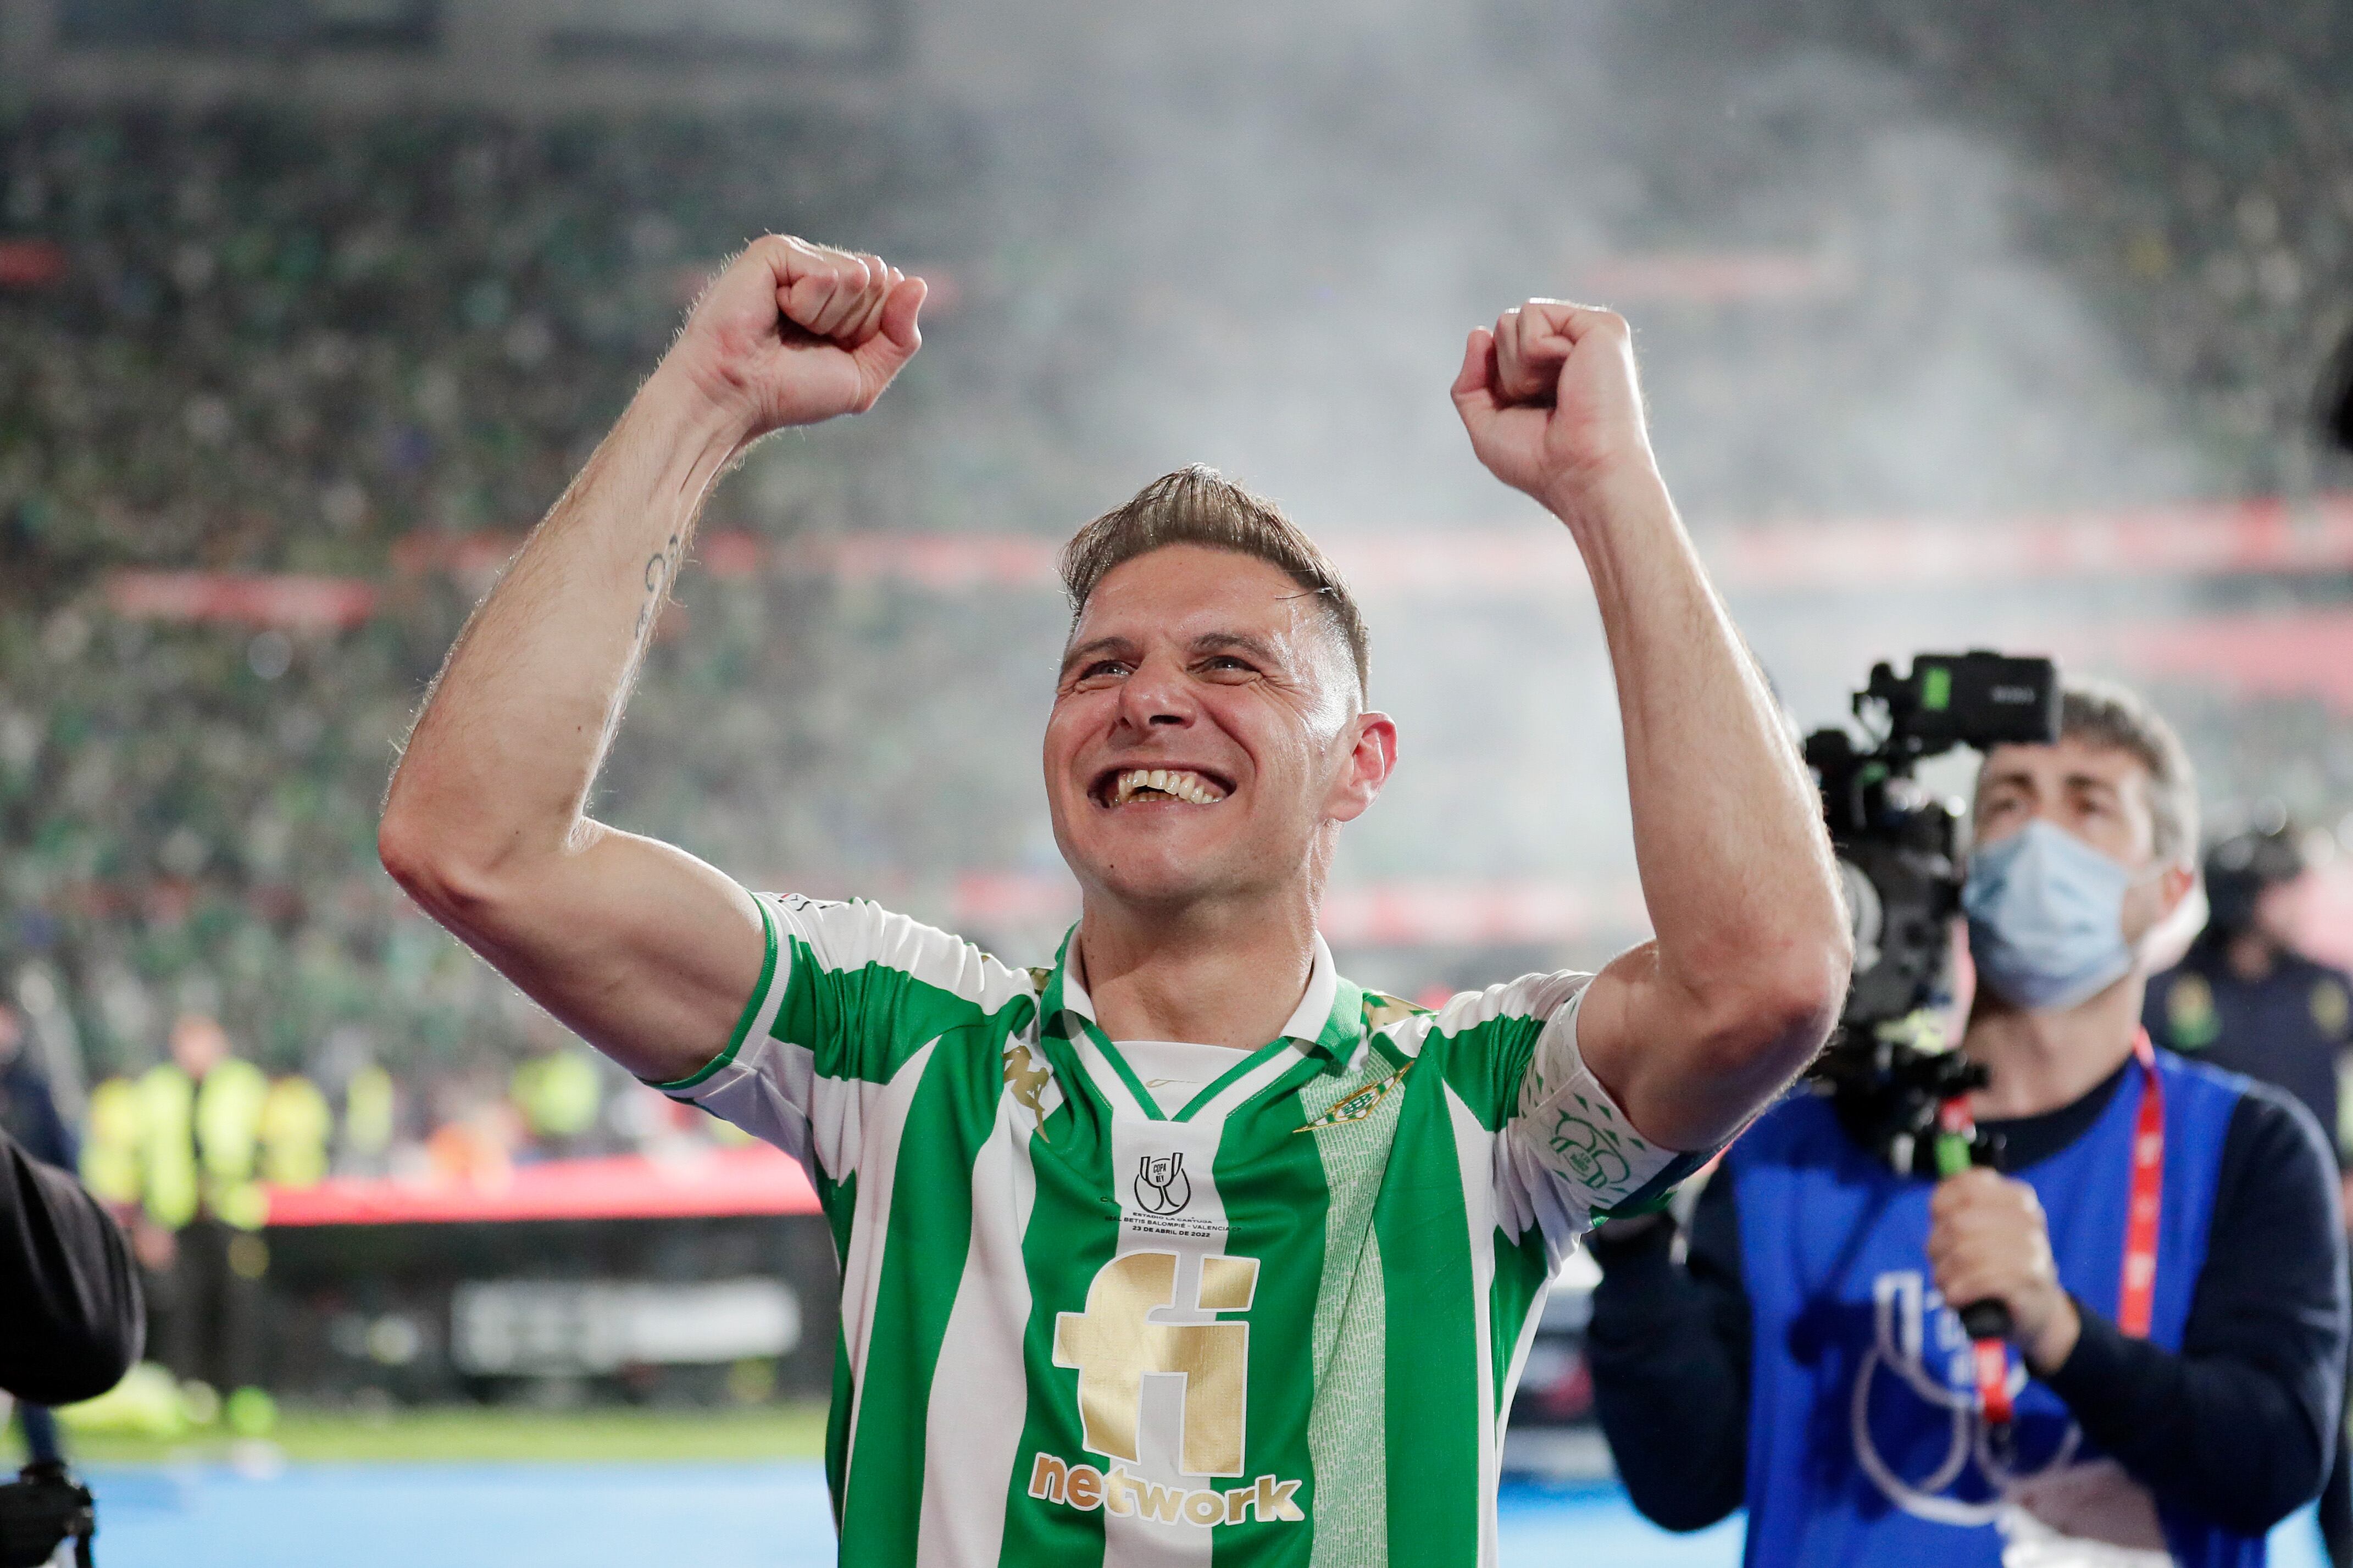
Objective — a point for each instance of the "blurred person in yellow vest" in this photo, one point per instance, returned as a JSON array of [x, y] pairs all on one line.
[[199, 1135], [559, 1096], [109, 1147], [371, 1117], [297, 1125]]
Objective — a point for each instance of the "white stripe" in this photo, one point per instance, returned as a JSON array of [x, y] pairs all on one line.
[[1528, 1328], [979, 1399], [1475, 1155], [768, 1092], [845, 937], [861, 1271], [838, 1112], [1131, 1541]]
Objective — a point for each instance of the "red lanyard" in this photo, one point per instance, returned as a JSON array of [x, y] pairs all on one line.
[[2136, 1297], [2136, 1293]]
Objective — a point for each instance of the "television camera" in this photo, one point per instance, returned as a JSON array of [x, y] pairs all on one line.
[[1888, 1068]]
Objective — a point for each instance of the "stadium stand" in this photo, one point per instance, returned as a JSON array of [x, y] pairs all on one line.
[[275, 387], [245, 358]]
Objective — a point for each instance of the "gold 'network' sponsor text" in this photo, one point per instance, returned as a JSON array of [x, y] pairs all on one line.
[[1085, 1487]]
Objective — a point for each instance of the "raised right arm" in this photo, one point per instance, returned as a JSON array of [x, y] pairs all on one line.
[[644, 950]]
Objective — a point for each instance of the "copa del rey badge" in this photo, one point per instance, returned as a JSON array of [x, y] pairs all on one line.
[[1161, 1186], [1161, 1199]]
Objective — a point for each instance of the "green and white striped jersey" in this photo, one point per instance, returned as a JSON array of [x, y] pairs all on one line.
[[1278, 1325]]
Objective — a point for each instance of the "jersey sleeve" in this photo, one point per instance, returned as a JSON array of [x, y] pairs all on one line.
[[850, 996], [1567, 1156]]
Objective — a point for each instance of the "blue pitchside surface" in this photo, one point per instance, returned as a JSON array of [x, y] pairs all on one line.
[[714, 1516]]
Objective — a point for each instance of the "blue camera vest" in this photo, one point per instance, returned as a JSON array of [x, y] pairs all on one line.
[[1864, 1442]]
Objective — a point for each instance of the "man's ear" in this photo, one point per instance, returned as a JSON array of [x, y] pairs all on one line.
[[1371, 759], [2173, 885], [2178, 916]]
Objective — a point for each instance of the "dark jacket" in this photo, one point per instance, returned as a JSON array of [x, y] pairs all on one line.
[[71, 1320]]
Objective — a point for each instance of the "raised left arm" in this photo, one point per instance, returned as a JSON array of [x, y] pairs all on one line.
[[1694, 1030]]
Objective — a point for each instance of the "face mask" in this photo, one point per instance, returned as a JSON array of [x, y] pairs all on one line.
[[2046, 918]]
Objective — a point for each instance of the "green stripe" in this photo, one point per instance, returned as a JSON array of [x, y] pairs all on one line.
[[1144, 1101], [1256, 1059], [839, 1200], [1432, 1407], [1346, 1024], [837, 1425], [864, 1023], [926, 1240], [1486, 1063], [1521, 1270], [751, 1009]]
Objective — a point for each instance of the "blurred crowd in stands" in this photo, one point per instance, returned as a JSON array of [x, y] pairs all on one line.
[[260, 341], [271, 344]]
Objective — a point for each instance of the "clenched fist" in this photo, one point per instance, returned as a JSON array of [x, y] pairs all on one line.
[[793, 333], [1988, 1241], [1550, 399]]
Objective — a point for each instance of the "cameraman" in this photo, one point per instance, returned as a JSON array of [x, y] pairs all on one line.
[[1803, 1359]]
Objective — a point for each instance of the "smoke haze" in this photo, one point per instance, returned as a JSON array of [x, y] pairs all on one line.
[[1256, 239]]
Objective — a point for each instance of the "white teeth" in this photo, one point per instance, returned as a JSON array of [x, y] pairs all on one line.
[[1175, 782]]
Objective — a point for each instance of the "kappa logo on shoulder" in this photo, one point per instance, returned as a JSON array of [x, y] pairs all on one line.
[[1027, 1079], [1161, 1186]]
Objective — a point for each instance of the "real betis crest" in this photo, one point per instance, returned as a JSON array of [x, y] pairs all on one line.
[[1359, 1105]]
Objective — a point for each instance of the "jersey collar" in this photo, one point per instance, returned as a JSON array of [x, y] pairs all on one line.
[[1328, 1021]]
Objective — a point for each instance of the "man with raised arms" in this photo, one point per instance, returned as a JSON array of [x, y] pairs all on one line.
[[1183, 1249]]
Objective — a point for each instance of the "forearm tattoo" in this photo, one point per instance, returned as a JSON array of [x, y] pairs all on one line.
[[661, 570]]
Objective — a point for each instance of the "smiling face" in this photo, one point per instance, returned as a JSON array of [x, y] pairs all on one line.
[[1205, 740]]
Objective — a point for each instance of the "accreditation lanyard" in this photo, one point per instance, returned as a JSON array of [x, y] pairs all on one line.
[[2136, 1297], [1988, 1323]]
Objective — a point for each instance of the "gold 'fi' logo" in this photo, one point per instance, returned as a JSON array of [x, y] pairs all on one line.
[[1115, 1345]]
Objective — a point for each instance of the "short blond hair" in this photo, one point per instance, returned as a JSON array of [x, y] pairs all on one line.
[[1198, 505]]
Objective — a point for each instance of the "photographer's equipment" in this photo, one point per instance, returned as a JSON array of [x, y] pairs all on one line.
[[1888, 1068], [1898, 1088], [41, 1507]]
